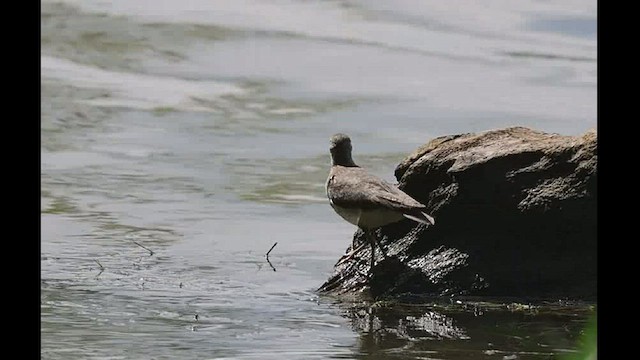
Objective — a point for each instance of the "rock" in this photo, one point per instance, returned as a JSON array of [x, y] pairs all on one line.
[[515, 215]]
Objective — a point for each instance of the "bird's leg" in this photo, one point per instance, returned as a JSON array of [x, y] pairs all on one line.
[[374, 239], [373, 253], [350, 254], [347, 257]]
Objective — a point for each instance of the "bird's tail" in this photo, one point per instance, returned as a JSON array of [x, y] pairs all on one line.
[[421, 217]]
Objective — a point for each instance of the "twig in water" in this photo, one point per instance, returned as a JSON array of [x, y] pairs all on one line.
[[272, 246], [269, 262], [101, 268], [98, 262], [146, 248], [267, 255]]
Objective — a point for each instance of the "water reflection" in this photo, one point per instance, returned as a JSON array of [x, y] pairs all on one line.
[[429, 325], [466, 330]]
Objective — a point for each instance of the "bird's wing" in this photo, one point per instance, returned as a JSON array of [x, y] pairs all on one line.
[[343, 190], [352, 187], [399, 200]]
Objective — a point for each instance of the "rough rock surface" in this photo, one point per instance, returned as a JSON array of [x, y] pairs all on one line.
[[515, 215]]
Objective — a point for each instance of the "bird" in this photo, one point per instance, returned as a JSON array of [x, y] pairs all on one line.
[[366, 200]]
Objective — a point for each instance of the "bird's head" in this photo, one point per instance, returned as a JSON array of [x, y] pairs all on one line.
[[340, 148]]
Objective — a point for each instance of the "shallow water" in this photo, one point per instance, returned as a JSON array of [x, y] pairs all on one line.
[[182, 139]]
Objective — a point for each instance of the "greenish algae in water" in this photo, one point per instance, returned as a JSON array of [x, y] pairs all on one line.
[[60, 205], [588, 342]]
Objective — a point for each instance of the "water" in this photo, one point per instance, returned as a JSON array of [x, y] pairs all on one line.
[[182, 139]]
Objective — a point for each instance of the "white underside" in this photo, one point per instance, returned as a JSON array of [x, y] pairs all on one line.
[[368, 219]]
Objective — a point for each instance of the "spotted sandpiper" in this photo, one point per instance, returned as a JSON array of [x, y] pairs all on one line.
[[365, 200]]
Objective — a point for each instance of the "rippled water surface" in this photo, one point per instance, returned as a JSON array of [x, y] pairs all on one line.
[[182, 139]]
